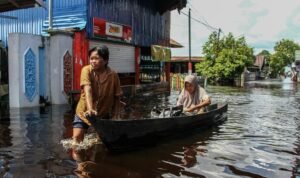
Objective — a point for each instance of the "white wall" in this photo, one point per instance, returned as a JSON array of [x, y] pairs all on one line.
[[18, 45], [59, 45], [47, 68], [55, 48]]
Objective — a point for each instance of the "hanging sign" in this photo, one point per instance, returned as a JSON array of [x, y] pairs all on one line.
[[105, 29], [160, 53]]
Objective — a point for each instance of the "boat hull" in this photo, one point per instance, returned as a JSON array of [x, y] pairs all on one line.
[[120, 135]]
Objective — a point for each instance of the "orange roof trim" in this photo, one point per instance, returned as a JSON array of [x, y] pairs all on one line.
[[186, 59]]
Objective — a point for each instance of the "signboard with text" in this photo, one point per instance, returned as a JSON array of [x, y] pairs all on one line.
[[111, 30]]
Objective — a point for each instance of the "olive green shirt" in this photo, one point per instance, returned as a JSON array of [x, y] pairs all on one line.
[[104, 91]]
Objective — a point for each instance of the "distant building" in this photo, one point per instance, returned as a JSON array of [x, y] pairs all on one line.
[[259, 69], [297, 64], [179, 64]]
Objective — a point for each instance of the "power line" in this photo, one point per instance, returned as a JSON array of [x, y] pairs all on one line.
[[203, 21], [197, 12], [206, 25]]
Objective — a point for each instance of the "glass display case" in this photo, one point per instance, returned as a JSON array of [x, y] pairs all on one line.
[[150, 71]]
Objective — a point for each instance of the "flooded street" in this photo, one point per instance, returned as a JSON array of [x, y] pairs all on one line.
[[260, 139]]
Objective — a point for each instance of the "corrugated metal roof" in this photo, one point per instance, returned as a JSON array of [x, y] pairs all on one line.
[[68, 17], [148, 25], [22, 21], [66, 14]]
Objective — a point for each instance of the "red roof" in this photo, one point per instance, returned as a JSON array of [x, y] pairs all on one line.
[[175, 44], [259, 61], [170, 43], [186, 59]]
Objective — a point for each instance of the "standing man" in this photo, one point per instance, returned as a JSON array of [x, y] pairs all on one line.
[[100, 92]]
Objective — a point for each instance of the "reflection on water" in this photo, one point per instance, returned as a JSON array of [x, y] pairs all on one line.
[[259, 139], [33, 149]]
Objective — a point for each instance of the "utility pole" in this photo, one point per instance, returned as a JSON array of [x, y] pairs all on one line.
[[50, 14], [190, 61], [219, 31]]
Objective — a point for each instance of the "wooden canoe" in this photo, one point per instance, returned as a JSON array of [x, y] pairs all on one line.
[[121, 135]]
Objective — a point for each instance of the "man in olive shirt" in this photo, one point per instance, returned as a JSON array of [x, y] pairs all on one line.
[[100, 92]]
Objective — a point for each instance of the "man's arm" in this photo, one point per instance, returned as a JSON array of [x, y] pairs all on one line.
[[198, 106], [89, 100], [203, 104]]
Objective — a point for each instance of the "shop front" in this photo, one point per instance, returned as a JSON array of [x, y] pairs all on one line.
[[122, 54]]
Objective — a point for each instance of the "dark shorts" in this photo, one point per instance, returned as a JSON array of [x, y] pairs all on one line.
[[78, 123]]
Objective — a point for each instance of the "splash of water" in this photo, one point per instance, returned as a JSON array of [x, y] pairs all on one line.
[[88, 141], [287, 80]]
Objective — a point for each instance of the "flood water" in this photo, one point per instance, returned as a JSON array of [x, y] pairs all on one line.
[[259, 139]]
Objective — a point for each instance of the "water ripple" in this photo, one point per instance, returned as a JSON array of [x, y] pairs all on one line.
[[261, 138]]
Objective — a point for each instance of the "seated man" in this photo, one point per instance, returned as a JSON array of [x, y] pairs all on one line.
[[193, 97]]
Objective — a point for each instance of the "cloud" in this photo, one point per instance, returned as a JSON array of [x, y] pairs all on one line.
[[291, 30], [262, 22], [246, 3], [263, 45]]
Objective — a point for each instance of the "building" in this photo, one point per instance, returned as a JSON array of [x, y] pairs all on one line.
[[47, 61], [297, 64], [179, 64], [259, 69]]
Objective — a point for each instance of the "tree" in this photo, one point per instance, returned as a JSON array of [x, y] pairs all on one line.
[[225, 58], [284, 55]]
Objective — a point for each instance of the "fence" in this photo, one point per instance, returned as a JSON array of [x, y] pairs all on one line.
[[177, 81]]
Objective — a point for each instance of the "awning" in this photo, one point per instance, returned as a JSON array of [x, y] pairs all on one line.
[[9, 5], [175, 44], [170, 43]]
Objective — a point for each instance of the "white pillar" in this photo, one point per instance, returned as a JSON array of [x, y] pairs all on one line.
[[59, 45], [23, 79]]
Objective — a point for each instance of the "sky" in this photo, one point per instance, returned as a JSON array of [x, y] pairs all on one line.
[[261, 22]]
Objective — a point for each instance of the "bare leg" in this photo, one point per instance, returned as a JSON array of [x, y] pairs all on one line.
[[78, 134]]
